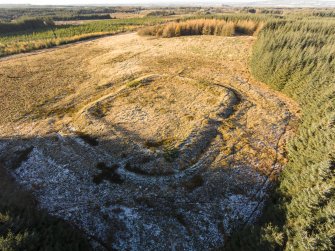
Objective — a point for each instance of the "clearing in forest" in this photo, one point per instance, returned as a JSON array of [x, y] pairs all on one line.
[[144, 142]]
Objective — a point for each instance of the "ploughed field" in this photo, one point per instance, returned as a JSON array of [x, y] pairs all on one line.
[[144, 143]]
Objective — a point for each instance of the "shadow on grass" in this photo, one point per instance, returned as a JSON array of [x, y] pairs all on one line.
[[23, 226], [100, 157], [267, 233]]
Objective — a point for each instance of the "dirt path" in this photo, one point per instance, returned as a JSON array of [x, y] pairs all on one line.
[[178, 160]]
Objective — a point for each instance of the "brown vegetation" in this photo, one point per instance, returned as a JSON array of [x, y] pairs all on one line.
[[203, 27], [141, 118]]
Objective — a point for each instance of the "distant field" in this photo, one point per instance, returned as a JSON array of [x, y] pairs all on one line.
[[38, 36], [77, 22], [16, 42]]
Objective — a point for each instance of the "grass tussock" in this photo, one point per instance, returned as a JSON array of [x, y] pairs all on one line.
[[203, 27]]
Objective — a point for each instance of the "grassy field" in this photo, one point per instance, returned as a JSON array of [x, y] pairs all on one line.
[[50, 36], [31, 34], [166, 117], [10, 13]]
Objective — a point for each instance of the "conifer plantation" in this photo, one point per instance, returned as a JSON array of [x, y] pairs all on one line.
[[297, 57]]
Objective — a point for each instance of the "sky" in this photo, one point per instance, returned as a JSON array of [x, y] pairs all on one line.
[[83, 2]]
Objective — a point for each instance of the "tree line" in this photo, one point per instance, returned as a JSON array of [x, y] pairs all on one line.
[[297, 56]]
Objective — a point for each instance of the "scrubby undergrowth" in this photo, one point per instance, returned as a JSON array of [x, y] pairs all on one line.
[[203, 27]]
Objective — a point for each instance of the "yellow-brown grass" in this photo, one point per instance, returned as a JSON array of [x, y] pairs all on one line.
[[247, 27], [28, 93], [26, 46], [202, 27]]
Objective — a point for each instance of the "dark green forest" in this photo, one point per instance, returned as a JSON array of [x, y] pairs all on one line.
[[62, 13], [297, 57], [25, 25]]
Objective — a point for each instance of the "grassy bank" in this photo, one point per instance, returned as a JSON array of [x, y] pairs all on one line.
[[29, 35]]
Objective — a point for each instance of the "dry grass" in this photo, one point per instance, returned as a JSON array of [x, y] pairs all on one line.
[[55, 90], [202, 27], [153, 128], [26, 46]]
